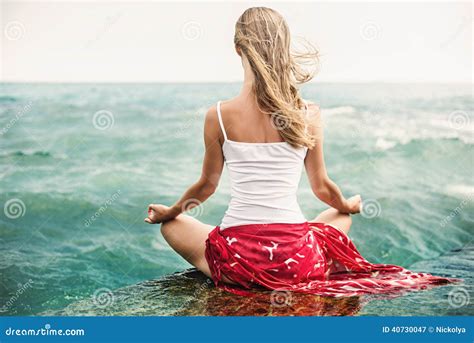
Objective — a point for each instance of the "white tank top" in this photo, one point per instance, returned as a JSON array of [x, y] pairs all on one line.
[[264, 179]]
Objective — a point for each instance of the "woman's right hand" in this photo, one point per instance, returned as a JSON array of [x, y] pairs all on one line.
[[354, 204]]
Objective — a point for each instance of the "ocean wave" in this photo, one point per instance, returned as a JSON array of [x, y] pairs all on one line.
[[27, 154], [390, 133], [144, 159], [394, 127], [384, 144], [338, 110], [6, 98], [461, 190], [463, 127]]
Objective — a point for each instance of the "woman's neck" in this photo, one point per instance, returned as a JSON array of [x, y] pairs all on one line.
[[247, 86]]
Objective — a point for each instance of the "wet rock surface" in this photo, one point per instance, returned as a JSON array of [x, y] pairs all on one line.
[[190, 293]]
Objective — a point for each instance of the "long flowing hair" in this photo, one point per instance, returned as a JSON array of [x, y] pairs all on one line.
[[263, 36]]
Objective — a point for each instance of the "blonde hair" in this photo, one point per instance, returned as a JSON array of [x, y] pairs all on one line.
[[263, 36]]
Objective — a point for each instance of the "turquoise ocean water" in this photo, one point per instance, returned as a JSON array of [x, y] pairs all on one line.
[[79, 163]]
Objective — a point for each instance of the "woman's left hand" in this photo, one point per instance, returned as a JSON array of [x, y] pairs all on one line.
[[158, 213]]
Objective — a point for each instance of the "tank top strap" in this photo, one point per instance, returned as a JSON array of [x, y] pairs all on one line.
[[221, 123]]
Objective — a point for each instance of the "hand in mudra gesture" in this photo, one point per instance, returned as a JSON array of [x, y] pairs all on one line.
[[354, 204], [158, 213]]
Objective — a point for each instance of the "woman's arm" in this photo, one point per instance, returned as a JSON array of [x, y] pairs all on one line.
[[322, 186], [211, 172]]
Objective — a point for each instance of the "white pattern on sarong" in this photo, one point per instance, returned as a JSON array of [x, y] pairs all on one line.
[[270, 249], [231, 240], [288, 261]]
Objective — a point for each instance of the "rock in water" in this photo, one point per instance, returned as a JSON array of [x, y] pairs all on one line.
[[190, 293]]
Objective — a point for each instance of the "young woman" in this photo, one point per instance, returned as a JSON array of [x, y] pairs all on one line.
[[265, 136]]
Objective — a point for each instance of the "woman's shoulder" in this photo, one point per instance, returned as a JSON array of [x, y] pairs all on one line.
[[211, 118], [225, 106], [212, 122], [313, 118], [313, 108], [227, 103], [313, 113]]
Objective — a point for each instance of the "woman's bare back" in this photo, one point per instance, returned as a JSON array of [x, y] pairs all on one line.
[[245, 122]]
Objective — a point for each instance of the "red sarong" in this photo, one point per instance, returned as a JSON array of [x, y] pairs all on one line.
[[314, 258]]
